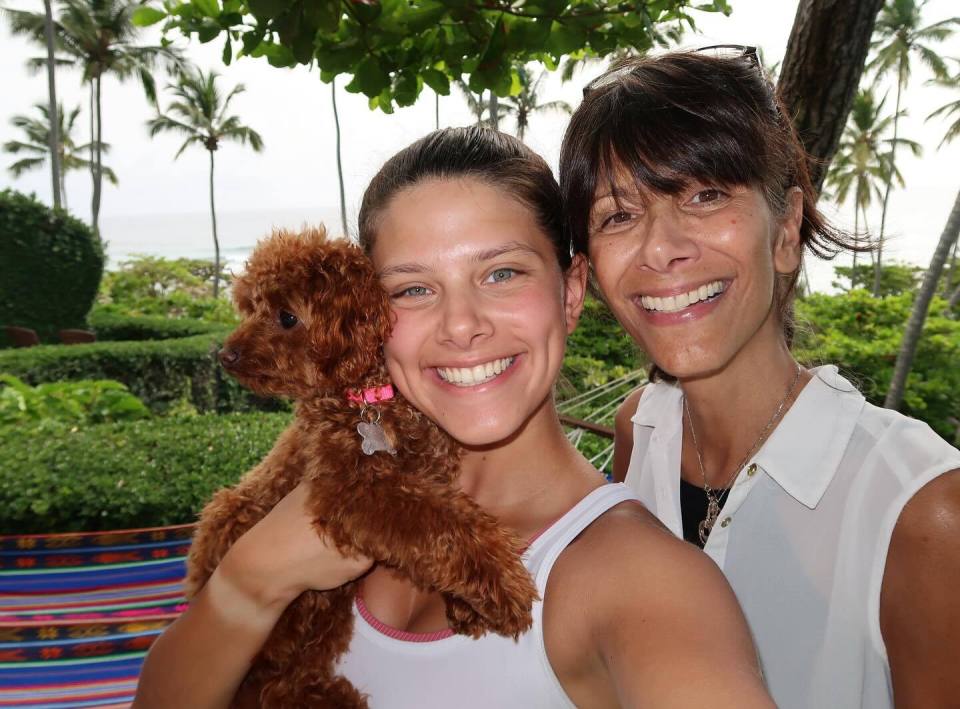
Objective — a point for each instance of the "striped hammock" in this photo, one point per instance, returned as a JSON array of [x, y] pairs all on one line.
[[79, 611]]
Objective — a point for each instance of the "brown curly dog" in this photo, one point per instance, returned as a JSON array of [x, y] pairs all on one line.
[[315, 320]]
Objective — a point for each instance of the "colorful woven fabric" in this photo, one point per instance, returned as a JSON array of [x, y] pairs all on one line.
[[79, 611]]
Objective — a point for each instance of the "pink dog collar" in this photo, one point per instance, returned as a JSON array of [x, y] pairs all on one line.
[[371, 395]]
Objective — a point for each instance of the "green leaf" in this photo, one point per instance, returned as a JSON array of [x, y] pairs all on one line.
[[369, 78], [406, 89], [323, 14], [208, 31], [565, 39], [436, 80], [210, 8], [144, 16], [227, 55], [269, 9]]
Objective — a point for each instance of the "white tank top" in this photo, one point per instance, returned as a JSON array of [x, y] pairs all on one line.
[[399, 670], [804, 532]]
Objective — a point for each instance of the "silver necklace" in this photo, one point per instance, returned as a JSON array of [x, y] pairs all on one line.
[[713, 498]]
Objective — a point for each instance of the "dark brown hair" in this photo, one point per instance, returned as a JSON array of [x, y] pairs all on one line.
[[686, 116], [495, 158]]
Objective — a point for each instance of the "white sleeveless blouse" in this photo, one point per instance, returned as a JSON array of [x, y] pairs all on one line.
[[404, 671], [804, 532]]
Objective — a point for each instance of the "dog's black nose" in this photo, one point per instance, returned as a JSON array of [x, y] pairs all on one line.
[[228, 357]]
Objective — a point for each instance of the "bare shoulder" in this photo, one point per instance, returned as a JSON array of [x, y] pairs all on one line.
[[623, 434], [630, 598], [628, 407], [934, 512], [923, 562], [629, 545]]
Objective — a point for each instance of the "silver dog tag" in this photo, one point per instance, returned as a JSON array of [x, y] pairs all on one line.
[[374, 439]]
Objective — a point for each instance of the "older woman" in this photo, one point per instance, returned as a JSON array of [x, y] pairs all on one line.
[[836, 522]]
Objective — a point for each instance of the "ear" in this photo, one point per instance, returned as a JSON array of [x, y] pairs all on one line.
[[787, 249], [574, 290]]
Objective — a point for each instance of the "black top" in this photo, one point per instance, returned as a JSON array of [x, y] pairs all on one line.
[[693, 510]]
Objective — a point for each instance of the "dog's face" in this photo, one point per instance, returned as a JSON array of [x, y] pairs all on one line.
[[314, 317]]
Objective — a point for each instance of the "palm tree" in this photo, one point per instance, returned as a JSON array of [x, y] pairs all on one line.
[[948, 238], [525, 104], [56, 172], [336, 125], [898, 37], [479, 106], [100, 38], [36, 145], [200, 114], [862, 163]]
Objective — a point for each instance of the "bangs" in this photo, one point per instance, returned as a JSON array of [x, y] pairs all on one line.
[[665, 146]]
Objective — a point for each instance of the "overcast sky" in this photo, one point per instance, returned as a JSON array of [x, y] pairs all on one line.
[[161, 205]]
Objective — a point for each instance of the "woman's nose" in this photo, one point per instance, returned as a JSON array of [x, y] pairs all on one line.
[[464, 320], [667, 243]]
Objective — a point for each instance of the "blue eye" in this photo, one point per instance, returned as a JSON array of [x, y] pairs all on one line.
[[412, 292], [501, 274]]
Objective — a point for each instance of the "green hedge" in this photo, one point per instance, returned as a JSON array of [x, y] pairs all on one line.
[[123, 475], [164, 374], [113, 326], [50, 267]]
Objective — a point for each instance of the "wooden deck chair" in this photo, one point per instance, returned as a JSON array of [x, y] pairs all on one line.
[[22, 336], [76, 337]]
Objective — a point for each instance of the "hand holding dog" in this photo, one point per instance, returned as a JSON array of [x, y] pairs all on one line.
[[282, 556]]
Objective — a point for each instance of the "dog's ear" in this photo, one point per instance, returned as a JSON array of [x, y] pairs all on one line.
[[353, 315]]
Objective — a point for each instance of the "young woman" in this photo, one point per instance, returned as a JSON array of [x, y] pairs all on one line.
[[464, 229], [836, 522]]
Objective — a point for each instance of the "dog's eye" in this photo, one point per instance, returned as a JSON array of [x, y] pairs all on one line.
[[287, 320]]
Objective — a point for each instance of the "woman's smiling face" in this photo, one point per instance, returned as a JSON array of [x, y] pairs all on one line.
[[692, 276], [482, 307]]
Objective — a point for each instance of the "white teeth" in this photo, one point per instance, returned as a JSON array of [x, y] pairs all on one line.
[[674, 303], [478, 374]]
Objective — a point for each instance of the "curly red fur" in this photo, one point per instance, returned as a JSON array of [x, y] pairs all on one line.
[[404, 511]]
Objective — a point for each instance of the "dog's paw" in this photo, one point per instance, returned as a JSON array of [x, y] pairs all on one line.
[[464, 620]]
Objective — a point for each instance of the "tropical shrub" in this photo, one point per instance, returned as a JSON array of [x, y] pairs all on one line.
[[110, 324], [598, 350], [173, 288], [82, 402], [164, 374], [50, 267], [124, 475], [861, 334]]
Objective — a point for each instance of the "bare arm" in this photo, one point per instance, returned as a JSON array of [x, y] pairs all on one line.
[[623, 435], [919, 612], [200, 660], [647, 621]]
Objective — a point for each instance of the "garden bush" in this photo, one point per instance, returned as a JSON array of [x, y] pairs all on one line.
[[861, 335], [164, 374], [57, 478], [83, 402], [50, 267], [175, 288], [110, 324]]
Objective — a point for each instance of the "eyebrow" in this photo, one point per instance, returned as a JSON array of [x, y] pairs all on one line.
[[511, 247]]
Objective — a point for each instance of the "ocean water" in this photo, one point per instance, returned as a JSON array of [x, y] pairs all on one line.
[[189, 235]]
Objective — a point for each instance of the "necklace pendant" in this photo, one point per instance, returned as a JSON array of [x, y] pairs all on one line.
[[706, 526]]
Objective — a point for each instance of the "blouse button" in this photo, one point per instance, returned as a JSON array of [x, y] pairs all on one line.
[[751, 470], [726, 522]]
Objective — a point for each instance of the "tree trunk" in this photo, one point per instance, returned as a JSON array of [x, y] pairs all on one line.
[[494, 110], [886, 193], [54, 136], [856, 230], [336, 123], [97, 159], [954, 299], [436, 111], [948, 283], [911, 337], [216, 241], [825, 57]]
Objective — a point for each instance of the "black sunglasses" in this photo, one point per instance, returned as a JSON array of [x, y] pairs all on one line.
[[723, 51]]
